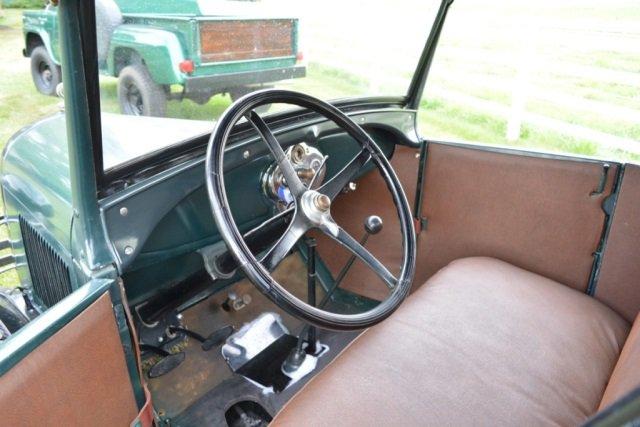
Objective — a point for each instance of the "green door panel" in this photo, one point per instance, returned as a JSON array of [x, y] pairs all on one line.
[[160, 50]]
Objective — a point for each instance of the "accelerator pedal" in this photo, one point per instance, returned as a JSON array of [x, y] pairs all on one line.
[[214, 339]]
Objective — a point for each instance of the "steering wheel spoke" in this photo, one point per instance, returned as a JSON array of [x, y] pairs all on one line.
[[281, 248], [290, 176], [334, 186], [267, 223], [338, 234]]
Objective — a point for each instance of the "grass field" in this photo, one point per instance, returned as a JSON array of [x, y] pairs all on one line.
[[578, 60]]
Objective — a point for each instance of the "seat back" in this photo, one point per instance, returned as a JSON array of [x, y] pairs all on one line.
[[626, 374], [540, 213]]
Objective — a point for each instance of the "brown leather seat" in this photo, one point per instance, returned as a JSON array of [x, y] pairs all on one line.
[[482, 343]]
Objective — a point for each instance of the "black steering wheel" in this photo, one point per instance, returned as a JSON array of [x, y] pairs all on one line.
[[311, 210]]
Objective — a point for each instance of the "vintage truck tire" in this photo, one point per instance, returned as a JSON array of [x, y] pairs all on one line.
[[138, 94], [45, 73]]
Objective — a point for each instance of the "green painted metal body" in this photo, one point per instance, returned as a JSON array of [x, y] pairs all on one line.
[[183, 7], [160, 49], [48, 178], [36, 175], [42, 24], [162, 35], [36, 186]]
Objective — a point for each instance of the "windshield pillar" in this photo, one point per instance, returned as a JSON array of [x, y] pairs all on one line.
[[426, 58], [82, 111]]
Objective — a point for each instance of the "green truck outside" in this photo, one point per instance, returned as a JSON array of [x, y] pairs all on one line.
[[161, 51]]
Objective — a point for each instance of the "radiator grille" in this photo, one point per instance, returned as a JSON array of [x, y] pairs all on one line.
[[49, 273]]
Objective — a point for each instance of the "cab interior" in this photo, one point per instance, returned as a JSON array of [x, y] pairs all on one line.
[[521, 307], [522, 291]]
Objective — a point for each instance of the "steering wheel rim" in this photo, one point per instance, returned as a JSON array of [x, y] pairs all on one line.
[[257, 273]]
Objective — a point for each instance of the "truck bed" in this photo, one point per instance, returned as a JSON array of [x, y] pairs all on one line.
[[228, 38]]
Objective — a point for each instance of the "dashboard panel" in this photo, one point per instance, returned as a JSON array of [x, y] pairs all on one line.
[[167, 217]]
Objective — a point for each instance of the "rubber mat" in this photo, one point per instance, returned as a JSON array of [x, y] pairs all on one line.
[[266, 367]]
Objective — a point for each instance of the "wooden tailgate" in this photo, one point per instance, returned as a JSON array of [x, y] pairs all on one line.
[[243, 40]]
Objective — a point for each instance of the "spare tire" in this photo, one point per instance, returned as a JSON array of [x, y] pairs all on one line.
[[46, 74], [108, 17]]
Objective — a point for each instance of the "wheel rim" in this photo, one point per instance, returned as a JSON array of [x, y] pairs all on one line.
[[133, 100], [45, 74]]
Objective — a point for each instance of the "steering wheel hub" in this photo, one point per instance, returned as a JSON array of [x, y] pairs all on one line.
[[316, 207], [322, 202]]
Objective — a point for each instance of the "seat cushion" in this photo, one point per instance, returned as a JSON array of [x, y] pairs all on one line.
[[482, 342]]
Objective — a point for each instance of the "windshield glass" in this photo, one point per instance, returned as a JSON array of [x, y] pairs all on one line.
[[189, 59]]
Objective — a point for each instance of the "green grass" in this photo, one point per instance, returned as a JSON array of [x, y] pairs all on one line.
[[439, 119], [20, 103], [23, 4], [619, 94], [608, 59], [613, 126], [606, 93]]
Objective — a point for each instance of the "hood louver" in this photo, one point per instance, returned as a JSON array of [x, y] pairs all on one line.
[[49, 273]]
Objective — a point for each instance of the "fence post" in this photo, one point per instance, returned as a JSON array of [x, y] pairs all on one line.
[[522, 81]]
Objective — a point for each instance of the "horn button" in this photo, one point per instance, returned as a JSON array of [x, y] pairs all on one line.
[[316, 206]]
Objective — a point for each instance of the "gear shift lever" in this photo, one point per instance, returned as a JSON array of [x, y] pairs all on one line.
[[372, 225], [297, 355]]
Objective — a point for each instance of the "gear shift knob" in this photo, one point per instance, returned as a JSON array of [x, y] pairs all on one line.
[[373, 224]]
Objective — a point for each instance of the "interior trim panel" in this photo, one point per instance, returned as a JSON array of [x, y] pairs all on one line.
[[540, 213], [77, 377], [619, 278]]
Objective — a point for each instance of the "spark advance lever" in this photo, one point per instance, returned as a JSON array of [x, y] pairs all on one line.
[[372, 225]]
